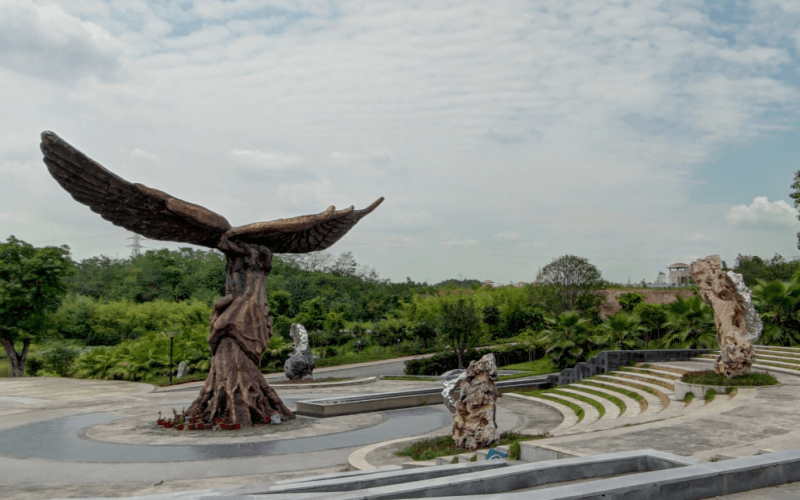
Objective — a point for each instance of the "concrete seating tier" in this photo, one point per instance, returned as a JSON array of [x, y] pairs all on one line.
[[780, 359]]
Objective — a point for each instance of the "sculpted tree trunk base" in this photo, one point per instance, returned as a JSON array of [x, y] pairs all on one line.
[[235, 389]]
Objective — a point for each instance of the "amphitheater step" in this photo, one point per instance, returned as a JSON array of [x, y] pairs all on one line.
[[632, 407]]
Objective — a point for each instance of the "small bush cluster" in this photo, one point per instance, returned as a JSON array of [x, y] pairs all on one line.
[[429, 449], [709, 377]]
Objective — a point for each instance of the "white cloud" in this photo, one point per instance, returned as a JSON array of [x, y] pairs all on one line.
[[267, 160], [762, 211], [46, 42], [507, 235], [141, 153], [550, 120], [459, 242], [14, 217], [303, 193]]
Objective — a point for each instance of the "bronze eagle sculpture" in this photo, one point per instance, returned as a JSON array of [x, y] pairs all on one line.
[[241, 327]]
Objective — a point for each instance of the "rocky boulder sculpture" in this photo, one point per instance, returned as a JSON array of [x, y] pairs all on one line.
[[738, 323], [301, 363], [474, 423]]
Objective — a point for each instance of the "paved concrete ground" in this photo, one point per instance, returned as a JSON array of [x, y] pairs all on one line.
[[771, 420], [57, 437], [51, 402], [768, 420]]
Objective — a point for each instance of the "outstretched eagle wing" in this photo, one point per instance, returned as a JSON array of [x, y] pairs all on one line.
[[308, 233], [138, 208]]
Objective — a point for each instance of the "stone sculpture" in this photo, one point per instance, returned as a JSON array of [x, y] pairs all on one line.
[[235, 389], [738, 323], [301, 363], [474, 423], [181, 369]]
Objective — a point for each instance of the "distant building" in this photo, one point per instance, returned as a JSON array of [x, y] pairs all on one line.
[[520, 284], [488, 283], [679, 274]]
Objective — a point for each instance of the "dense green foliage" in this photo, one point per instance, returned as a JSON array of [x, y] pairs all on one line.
[[754, 268], [32, 283], [109, 323], [445, 361], [126, 306]]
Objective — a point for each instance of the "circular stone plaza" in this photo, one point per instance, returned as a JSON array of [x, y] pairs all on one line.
[[632, 438]]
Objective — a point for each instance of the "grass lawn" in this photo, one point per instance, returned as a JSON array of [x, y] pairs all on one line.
[[537, 367], [5, 368]]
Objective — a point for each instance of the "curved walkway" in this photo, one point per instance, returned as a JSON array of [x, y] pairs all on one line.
[[59, 439]]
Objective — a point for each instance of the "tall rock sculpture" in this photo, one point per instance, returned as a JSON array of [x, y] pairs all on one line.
[[474, 423], [738, 323], [235, 389], [301, 363]]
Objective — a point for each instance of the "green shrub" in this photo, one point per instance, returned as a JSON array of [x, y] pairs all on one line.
[[281, 325], [709, 377], [628, 301], [32, 365], [514, 451], [146, 357], [710, 395], [59, 359]]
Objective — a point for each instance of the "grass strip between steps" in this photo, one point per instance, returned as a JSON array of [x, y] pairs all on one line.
[[634, 369], [660, 395], [767, 363], [672, 369], [788, 361], [778, 354], [636, 397], [647, 380], [620, 404], [589, 401]]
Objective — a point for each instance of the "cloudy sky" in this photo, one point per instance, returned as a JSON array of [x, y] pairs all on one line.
[[502, 134]]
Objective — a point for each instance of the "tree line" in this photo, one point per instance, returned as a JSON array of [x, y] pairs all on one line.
[[347, 308]]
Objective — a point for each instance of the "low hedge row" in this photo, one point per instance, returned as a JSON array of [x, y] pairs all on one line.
[[445, 361]]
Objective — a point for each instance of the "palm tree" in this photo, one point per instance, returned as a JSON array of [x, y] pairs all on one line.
[[776, 301], [690, 324], [620, 331], [568, 337]]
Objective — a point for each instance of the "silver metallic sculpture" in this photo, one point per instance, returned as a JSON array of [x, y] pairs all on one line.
[[450, 387], [751, 316], [301, 363]]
